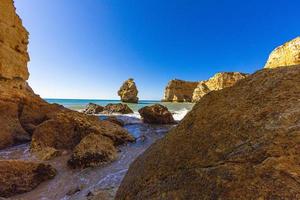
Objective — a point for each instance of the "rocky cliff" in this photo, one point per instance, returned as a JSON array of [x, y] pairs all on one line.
[[217, 82], [179, 91], [185, 91], [24, 116], [128, 92], [237, 143], [286, 55]]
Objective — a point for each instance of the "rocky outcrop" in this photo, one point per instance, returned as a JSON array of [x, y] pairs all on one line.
[[128, 92], [286, 55], [217, 82], [117, 108], [237, 143], [184, 91], [179, 91], [92, 151], [156, 114], [115, 120], [24, 116], [92, 109], [18, 177]]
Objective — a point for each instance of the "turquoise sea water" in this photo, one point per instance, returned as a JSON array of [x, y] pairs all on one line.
[[178, 109]]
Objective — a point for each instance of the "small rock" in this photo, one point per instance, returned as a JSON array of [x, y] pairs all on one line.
[[92, 109], [117, 108], [115, 120], [156, 114]]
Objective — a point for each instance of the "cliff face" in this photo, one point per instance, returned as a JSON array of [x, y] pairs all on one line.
[[237, 143], [128, 92], [286, 55], [185, 91], [179, 91], [217, 82]]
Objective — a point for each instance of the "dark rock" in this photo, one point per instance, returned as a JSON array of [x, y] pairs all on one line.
[[117, 108], [115, 120], [18, 177], [93, 109], [156, 114]]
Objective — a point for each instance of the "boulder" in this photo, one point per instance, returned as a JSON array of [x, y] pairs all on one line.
[[18, 177], [117, 108], [218, 82], [156, 114], [287, 54], [92, 109], [241, 142], [92, 151], [65, 130], [128, 92], [179, 91]]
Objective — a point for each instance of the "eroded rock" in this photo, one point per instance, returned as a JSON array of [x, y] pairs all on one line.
[[237, 143], [128, 92], [179, 91]]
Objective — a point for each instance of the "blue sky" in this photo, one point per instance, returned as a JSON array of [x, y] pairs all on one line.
[[86, 49]]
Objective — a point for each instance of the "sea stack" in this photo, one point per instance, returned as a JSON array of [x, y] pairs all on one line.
[[179, 91], [128, 92], [287, 54], [237, 143]]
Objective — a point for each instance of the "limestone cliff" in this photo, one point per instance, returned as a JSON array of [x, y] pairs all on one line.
[[128, 92], [24, 116], [179, 91], [285, 55], [237, 143], [217, 82]]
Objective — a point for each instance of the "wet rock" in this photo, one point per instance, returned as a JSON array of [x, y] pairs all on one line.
[[128, 92], [237, 143], [117, 108], [115, 120], [18, 177], [179, 91], [156, 114], [73, 191], [93, 109], [92, 151], [287, 54]]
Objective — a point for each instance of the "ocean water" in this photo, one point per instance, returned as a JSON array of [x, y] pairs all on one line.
[[179, 110]]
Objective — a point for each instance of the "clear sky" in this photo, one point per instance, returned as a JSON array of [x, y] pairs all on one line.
[[87, 48]]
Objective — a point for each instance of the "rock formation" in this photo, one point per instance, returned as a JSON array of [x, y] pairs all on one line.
[[156, 114], [179, 91], [185, 91], [117, 108], [217, 82], [237, 143], [286, 55], [115, 120], [92, 109], [19, 176], [128, 92]]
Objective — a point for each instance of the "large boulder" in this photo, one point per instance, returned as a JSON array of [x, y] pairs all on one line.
[[117, 108], [128, 92], [179, 91], [156, 114], [218, 82], [241, 142], [92, 151], [287, 54], [65, 130], [18, 177], [93, 109]]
